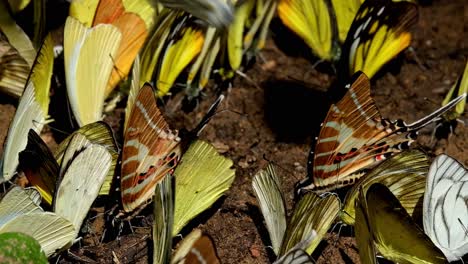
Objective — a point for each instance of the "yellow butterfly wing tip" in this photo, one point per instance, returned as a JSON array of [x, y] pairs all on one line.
[[42, 73], [177, 57], [84, 11]]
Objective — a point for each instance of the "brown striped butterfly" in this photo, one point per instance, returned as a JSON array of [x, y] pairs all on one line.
[[354, 138], [151, 149], [196, 248]]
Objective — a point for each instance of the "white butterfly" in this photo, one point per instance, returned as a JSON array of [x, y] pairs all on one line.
[[445, 207]]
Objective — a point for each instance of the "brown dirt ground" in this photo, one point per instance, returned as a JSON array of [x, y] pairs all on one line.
[[276, 119]]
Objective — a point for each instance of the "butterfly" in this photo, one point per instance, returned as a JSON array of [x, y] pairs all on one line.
[[360, 35], [151, 149], [86, 85], [20, 213], [133, 27], [41, 167], [184, 43], [450, 119], [196, 248], [445, 210], [382, 224], [16, 36], [354, 138], [14, 71], [71, 186], [309, 222], [201, 178], [218, 13], [405, 176], [296, 256], [32, 111]]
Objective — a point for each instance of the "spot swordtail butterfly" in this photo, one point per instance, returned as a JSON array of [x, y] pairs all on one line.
[[355, 137], [151, 149]]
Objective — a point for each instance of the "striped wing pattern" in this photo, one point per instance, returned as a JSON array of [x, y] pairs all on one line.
[[313, 214], [196, 248], [296, 256], [354, 137], [445, 208], [379, 32], [151, 150], [202, 251], [271, 201], [14, 70], [404, 174]]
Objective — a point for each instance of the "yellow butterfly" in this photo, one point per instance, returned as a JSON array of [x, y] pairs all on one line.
[[86, 85], [361, 35], [202, 177], [382, 224]]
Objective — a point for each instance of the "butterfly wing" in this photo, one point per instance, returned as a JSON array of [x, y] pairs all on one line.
[[379, 32], [312, 214], [196, 248], [16, 202], [39, 166], [218, 13], [445, 206], [397, 237], [202, 177], [354, 137], [32, 109], [183, 46], [134, 33], [404, 174], [19, 213], [350, 125], [97, 133], [363, 231], [14, 70], [345, 11], [164, 219], [151, 150], [311, 21], [88, 54], [266, 186], [81, 182]]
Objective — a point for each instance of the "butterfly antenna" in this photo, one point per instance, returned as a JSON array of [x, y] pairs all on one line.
[[211, 112], [243, 75], [434, 115]]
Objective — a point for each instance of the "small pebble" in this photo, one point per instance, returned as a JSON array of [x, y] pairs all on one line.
[[254, 252]]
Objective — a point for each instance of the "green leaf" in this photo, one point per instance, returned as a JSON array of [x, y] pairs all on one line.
[[20, 248]]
